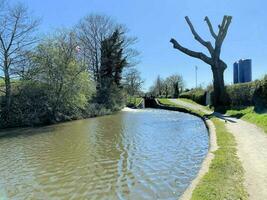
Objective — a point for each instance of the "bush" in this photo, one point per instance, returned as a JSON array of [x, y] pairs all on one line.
[[197, 95], [260, 95], [241, 94], [29, 107], [249, 94]]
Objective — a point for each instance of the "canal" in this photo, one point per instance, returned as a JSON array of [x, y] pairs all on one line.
[[134, 154]]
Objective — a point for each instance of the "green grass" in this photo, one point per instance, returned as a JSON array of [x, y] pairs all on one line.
[[225, 177], [224, 180], [167, 102], [248, 114], [245, 113], [133, 101], [189, 101]]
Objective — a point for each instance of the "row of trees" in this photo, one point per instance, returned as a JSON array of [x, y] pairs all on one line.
[[72, 73], [171, 86]]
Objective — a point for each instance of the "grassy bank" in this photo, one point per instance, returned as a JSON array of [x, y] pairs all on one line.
[[249, 114], [225, 177], [133, 101], [167, 102]]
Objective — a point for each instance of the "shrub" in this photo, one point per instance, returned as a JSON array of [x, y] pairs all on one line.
[[249, 94], [260, 94], [241, 94]]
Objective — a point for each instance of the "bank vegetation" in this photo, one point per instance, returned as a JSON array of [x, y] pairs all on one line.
[[73, 73]]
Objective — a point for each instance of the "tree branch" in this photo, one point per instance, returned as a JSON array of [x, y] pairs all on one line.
[[223, 28], [197, 37], [210, 27], [191, 53], [227, 24]]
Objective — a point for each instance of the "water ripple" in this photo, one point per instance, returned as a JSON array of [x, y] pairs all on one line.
[[153, 154]]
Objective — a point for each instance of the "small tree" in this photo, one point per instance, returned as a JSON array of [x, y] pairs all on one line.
[[65, 79], [217, 65]]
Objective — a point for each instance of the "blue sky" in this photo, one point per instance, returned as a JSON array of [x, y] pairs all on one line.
[[154, 22]]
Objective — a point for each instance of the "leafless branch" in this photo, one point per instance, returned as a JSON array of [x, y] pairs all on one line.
[[210, 28], [197, 37], [194, 54]]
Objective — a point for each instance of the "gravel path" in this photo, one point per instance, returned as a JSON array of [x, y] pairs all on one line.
[[251, 149]]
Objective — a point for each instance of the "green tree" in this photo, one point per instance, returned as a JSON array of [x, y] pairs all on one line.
[[67, 81], [113, 62]]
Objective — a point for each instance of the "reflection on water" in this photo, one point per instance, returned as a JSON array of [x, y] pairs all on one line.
[[150, 154]]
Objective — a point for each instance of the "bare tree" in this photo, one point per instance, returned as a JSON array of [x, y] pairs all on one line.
[[157, 88], [133, 81], [176, 85], [91, 31], [218, 66], [16, 37]]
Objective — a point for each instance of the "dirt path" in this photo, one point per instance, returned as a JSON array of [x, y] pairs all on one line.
[[251, 149]]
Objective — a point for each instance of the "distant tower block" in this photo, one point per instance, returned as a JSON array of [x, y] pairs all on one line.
[[235, 75], [242, 71]]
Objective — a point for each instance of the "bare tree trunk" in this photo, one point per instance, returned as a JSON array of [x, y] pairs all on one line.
[[8, 91], [7, 86], [219, 97]]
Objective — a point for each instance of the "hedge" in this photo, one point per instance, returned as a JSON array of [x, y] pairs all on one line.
[[242, 94]]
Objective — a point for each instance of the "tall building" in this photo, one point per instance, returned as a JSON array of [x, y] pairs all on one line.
[[235, 75], [242, 71]]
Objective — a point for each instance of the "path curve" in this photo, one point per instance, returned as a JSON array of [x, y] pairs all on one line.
[[251, 149]]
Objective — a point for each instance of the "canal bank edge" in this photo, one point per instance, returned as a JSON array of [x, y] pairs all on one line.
[[187, 195], [225, 177]]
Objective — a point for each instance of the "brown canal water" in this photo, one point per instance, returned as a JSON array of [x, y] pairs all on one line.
[[142, 154]]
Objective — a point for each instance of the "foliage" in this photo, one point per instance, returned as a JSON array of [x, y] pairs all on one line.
[[69, 75], [249, 94], [168, 87], [113, 62], [260, 95], [56, 87], [241, 94], [133, 102]]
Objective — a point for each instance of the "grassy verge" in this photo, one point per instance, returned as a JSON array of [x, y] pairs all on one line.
[[167, 102], [133, 101], [248, 114], [225, 177]]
